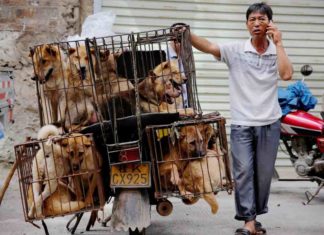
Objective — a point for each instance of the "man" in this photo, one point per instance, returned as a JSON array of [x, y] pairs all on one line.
[[254, 66]]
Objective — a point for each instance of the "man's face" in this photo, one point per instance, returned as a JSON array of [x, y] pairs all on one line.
[[257, 24]]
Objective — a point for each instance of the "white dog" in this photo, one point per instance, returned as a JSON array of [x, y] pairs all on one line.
[[48, 166]]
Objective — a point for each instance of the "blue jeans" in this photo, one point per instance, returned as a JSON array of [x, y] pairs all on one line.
[[254, 151]]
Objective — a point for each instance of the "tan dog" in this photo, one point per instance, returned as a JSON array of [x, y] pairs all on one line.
[[50, 69], [158, 91], [108, 82], [205, 175], [84, 159], [80, 110], [190, 145], [48, 165], [111, 88], [58, 203]]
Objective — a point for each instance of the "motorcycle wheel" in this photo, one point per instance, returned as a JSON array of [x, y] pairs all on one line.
[[137, 232]]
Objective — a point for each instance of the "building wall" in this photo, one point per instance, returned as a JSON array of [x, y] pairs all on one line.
[[23, 24]]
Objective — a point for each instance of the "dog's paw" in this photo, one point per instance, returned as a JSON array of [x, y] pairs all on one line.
[[175, 178], [214, 209], [30, 214]]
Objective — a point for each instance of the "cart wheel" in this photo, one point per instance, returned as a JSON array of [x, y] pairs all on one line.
[[137, 232], [164, 208]]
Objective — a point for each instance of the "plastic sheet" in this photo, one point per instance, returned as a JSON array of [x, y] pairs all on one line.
[[296, 96]]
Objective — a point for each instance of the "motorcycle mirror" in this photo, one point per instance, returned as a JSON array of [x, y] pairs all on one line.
[[306, 70]]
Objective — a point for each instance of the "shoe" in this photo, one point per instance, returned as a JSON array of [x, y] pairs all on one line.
[[259, 229], [243, 231]]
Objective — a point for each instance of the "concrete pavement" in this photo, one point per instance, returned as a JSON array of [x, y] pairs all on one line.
[[287, 215]]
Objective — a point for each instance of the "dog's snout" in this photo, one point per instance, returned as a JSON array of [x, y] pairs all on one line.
[[83, 71], [75, 167]]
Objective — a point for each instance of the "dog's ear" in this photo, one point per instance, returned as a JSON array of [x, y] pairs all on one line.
[[152, 75], [71, 50], [62, 141], [31, 52], [104, 54], [92, 51], [87, 142], [166, 65], [51, 50]]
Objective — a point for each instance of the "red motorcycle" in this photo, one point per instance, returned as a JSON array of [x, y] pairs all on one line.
[[303, 136]]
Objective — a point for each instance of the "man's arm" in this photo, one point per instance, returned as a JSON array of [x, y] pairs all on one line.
[[285, 67], [204, 45]]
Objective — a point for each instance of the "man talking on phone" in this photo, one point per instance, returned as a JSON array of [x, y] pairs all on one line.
[[255, 65]]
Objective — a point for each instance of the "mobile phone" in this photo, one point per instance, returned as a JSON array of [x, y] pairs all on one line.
[[269, 35]]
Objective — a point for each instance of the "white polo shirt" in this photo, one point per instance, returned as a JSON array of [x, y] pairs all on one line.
[[253, 80]]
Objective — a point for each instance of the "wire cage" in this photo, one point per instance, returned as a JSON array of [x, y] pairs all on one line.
[[190, 157], [148, 78], [59, 176], [116, 87]]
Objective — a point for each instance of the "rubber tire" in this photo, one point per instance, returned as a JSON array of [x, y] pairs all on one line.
[[137, 232]]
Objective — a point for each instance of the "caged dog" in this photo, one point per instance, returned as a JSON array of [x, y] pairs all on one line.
[[159, 91], [189, 145], [47, 167], [50, 70], [84, 160], [108, 82], [161, 88], [80, 109], [204, 176], [112, 90]]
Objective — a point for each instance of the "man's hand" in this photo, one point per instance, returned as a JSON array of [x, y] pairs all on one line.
[[274, 33]]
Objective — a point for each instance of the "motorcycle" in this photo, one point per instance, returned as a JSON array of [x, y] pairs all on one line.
[[303, 137]]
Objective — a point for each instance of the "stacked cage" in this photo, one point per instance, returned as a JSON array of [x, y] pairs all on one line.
[[190, 159], [161, 97], [128, 116], [59, 176]]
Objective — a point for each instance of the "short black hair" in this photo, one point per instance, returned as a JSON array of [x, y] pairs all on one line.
[[261, 7]]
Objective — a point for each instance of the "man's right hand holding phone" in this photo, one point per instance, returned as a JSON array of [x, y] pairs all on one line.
[[274, 33]]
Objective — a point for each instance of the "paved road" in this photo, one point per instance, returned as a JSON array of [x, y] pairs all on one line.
[[287, 216]]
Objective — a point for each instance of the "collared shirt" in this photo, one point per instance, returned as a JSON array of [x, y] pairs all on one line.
[[253, 80]]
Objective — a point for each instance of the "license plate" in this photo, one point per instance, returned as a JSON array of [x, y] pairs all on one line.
[[135, 175]]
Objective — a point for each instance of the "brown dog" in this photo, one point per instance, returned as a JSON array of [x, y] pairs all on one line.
[[190, 145], [80, 110], [160, 90], [108, 82], [58, 203], [50, 69], [205, 175], [84, 159]]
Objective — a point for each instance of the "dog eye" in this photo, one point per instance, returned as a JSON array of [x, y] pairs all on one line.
[[192, 142], [80, 154], [71, 153], [43, 61], [77, 57]]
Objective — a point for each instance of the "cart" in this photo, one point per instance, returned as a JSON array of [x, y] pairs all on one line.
[[139, 107]]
